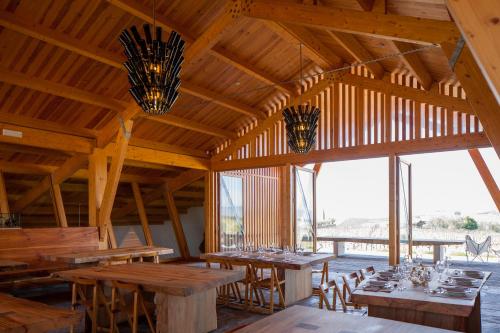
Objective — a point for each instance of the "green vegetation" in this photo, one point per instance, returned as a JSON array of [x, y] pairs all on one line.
[[470, 224]]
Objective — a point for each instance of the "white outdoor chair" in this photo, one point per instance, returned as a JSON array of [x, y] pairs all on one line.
[[475, 249]]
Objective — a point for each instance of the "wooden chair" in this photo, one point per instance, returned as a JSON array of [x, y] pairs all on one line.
[[119, 291], [224, 292], [323, 289], [350, 281], [150, 257], [324, 277], [258, 284], [368, 271], [88, 293]]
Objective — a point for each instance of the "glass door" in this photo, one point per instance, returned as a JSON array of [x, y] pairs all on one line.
[[305, 209], [405, 209], [231, 213]]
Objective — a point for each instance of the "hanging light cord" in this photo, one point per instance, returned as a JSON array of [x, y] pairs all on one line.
[[311, 76]]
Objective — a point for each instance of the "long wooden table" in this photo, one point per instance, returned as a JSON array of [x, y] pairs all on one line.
[[185, 296], [413, 305], [306, 319], [100, 255], [297, 269], [23, 316], [437, 244]]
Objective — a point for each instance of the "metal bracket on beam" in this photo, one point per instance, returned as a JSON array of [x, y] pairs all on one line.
[[456, 53]]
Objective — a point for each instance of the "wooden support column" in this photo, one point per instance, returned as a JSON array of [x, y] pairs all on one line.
[[176, 223], [4, 201], [211, 216], [393, 210], [57, 201], [106, 228], [485, 173], [142, 213], [98, 175], [286, 206]]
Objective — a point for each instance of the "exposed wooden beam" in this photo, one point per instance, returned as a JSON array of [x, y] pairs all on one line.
[[58, 176], [447, 143], [144, 13], [366, 5], [27, 136], [212, 34], [26, 168], [481, 98], [219, 99], [142, 214], [486, 175], [53, 88], [166, 147], [193, 126], [97, 178], [176, 223], [134, 153], [314, 49], [112, 183], [478, 20], [414, 64], [57, 201], [393, 209], [45, 125], [4, 199], [357, 51], [403, 28], [317, 167]]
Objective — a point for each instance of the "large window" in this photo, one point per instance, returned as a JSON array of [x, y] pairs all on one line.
[[231, 212]]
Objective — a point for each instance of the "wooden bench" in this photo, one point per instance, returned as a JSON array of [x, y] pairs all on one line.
[[31, 245], [21, 315], [437, 244]]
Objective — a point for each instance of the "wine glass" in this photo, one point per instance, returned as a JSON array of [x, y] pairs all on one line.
[[440, 267]]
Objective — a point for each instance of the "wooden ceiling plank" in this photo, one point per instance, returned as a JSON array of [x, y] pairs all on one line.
[[486, 175], [389, 26], [448, 143], [167, 147], [314, 49], [479, 23], [208, 95], [358, 51], [58, 176]]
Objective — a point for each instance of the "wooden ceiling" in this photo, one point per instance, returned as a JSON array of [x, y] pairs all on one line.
[[61, 71]]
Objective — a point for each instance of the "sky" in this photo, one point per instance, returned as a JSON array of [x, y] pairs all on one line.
[[442, 183]]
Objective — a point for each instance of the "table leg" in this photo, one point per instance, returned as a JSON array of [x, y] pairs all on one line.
[[297, 285], [438, 253], [338, 249], [186, 314]]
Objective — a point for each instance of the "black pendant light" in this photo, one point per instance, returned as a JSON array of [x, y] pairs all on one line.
[[153, 67], [301, 122]]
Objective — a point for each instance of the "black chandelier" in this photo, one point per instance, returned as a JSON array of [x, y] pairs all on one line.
[[301, 122], [153, 68]]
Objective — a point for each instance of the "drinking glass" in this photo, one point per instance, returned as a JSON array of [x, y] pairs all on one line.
[[440, 267]]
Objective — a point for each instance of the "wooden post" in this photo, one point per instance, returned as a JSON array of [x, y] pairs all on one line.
[[410, 212], [115, 170], [57, 201], [486, 175], [393, 211], [98, 175], [142, 213], [211, 216], [286, 206], [4, 201], [176, 223]]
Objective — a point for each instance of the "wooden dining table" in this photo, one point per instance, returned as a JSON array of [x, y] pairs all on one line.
[[296, 270], [306, 319], [413, 305], [185, 296], [24, 316], [106, 254]]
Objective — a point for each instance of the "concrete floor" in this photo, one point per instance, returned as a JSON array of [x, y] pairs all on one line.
[[230, 319]]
